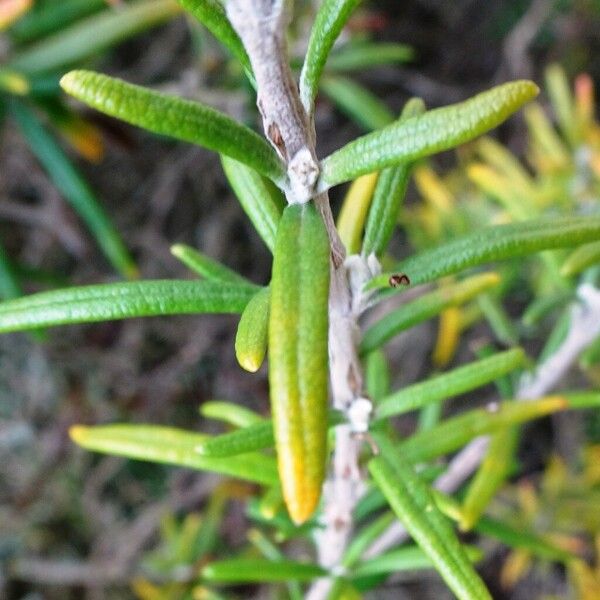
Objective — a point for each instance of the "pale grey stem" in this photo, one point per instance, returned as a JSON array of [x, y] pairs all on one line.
[[261, 25], [584, 329]]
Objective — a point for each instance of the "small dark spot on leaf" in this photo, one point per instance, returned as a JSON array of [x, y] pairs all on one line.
[[398, 279]]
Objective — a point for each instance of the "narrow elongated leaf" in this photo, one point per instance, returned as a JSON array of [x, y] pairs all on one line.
[[248, 439], [520, 538], [410, 558], [427, 134], [207, 267], [460, 380], [212, 15], [298, 356], [93, 35], [495, 243], [357, 103], [172, 446], [112, 301], [47, 17], [456, 432], [581, 259], [74, 188], [377, 375], [328, 23], [490, 476], [389, 194], [259, 198], [240, 570], [351, 220], [174, 117], [414, 505], [425, 307], [9, 282], [365, 55], [253, 332], [234, 414]]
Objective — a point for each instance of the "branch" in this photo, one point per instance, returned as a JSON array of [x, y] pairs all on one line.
[[261, 25], [584, 329]]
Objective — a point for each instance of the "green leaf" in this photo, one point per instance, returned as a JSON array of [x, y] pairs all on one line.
[[234, 414], [364, 538], [45, 17], [520, 538], [357, 103], [460, 380], [425, 307], [364, 55], [409, 558], [207, 267], [212, 15], [111, 301], [454, 433], [249, 439], [562, 102], [93, 35], [495, 243], [74, 188], [389, 194], [499, 321], [253, 332], [174, 117], [414, 505], [171, 446], [241, 570], [298, 356], [9, 282], [432, 132], [328, 23], [581, 259], [490, 476], [260, 199], [377, 375]]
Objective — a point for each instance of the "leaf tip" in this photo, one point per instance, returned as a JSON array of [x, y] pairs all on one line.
[[78, 434], [68, 82]]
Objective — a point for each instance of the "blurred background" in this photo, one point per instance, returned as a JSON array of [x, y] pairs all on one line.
[[77, 525]]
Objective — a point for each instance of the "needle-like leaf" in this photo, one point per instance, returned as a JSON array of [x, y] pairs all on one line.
[[253, 332], [581, 259], [298, 323], [364, 55], [171, 446], [92, 35], [113, 301], [414, 505], [207, 267], [248, 439], [74, 188], [260, 199], [389, 194], [457, 431], [328, 23], [242, 570], [459, 381], [356, 102], [495, 243], [432, 132], [212, 15], [174, 117], [425, 307]]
